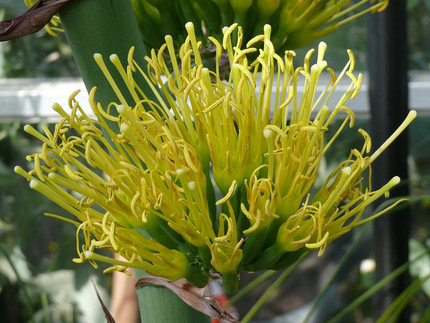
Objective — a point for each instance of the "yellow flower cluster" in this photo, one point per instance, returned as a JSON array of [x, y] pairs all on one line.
[[141, 178]]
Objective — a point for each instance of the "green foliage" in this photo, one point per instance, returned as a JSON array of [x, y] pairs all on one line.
[[38, 280], [353, 35], [39, 55], [419, 34]]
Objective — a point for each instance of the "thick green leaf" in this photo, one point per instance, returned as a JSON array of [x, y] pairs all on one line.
[[105, 27], [371, 291], [269, 292], [342, 263], [396, 308], [20, 272], [421, 267]]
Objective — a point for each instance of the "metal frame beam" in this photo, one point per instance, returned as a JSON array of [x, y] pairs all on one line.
[[388, 97]]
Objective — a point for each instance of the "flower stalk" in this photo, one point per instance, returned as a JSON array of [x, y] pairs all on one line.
[[105, 27]]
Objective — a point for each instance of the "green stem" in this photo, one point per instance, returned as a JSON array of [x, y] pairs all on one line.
[[230, 282], [105, 27], [249, 287], [253, 246], [26, 296], [426, 316], [158, 304], [210, 195], [109, 27], [266, 259], [341, 264], [265, 297], [375, 288], [242, 220], [396, 308], [288, 258], [45, 307]]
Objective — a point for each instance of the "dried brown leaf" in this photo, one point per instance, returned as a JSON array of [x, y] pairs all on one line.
[[108, 315], [31, 21], [197, 298]]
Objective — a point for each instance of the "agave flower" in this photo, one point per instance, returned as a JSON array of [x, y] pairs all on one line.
[[141, 177], [296, 23]]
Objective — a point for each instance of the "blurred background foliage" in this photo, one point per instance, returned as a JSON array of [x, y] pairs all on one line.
[[40, 283], [38, 280]]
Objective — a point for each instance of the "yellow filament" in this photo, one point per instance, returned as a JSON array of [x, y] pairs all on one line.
[[410, 117], [231, 191]]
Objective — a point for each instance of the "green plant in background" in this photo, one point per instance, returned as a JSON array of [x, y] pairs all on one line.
[[38, 282], [38, 56], [419, 34]]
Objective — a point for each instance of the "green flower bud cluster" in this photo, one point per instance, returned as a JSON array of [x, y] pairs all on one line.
[[295, 23]]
